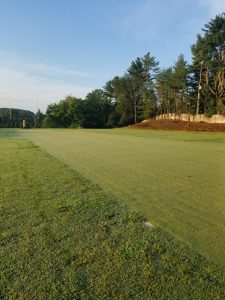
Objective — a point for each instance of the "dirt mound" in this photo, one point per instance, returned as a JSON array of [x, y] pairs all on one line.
[[179, 125]]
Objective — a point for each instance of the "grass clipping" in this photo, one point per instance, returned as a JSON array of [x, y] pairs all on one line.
[[63, 238]]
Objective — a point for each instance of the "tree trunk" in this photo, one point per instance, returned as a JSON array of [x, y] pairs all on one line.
[[135, 111]]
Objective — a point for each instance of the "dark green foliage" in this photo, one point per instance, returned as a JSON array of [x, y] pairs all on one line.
[[118, 89], [209, 66], [144, 91], [63, 114], [133, 93], [173, 88], [13, 118], [63, 238], [94, 111], [39, 118], [200, 87]]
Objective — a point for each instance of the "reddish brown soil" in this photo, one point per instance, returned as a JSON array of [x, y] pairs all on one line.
[[179, 125]]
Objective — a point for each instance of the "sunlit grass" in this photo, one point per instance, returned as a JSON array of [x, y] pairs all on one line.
[[175, 178], [63, 238]]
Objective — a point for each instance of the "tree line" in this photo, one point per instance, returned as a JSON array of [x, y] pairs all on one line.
[[145, 90], [14, 118]]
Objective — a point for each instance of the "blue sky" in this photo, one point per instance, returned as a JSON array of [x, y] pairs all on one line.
[[53, 48]]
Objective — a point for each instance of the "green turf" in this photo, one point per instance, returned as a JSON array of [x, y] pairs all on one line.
[[176, 178], [61, 237]]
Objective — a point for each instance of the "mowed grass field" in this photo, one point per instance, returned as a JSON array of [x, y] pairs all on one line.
[[177, 179], [62, 237]]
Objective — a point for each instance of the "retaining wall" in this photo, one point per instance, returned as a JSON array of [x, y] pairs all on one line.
[[219, 119]]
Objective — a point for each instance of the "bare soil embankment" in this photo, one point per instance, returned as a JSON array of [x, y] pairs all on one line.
[[179, 125]]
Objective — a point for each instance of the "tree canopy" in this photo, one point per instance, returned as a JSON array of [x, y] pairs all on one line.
[[209, 67], [145, 90]]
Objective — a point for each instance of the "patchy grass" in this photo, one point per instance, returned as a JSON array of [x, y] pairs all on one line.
[[62, 237], [175, 178]]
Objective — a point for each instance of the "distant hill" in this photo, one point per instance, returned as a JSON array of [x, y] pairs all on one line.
[[14, 117], [19, 113]]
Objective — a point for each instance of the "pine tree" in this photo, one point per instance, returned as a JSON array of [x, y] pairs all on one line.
[[209, 67]]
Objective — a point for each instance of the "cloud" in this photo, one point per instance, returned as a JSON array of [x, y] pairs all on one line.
[[25, 84], [54, 70], [23, 91], [151, 19], [137, 19], [214, 7], [147, 18]]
